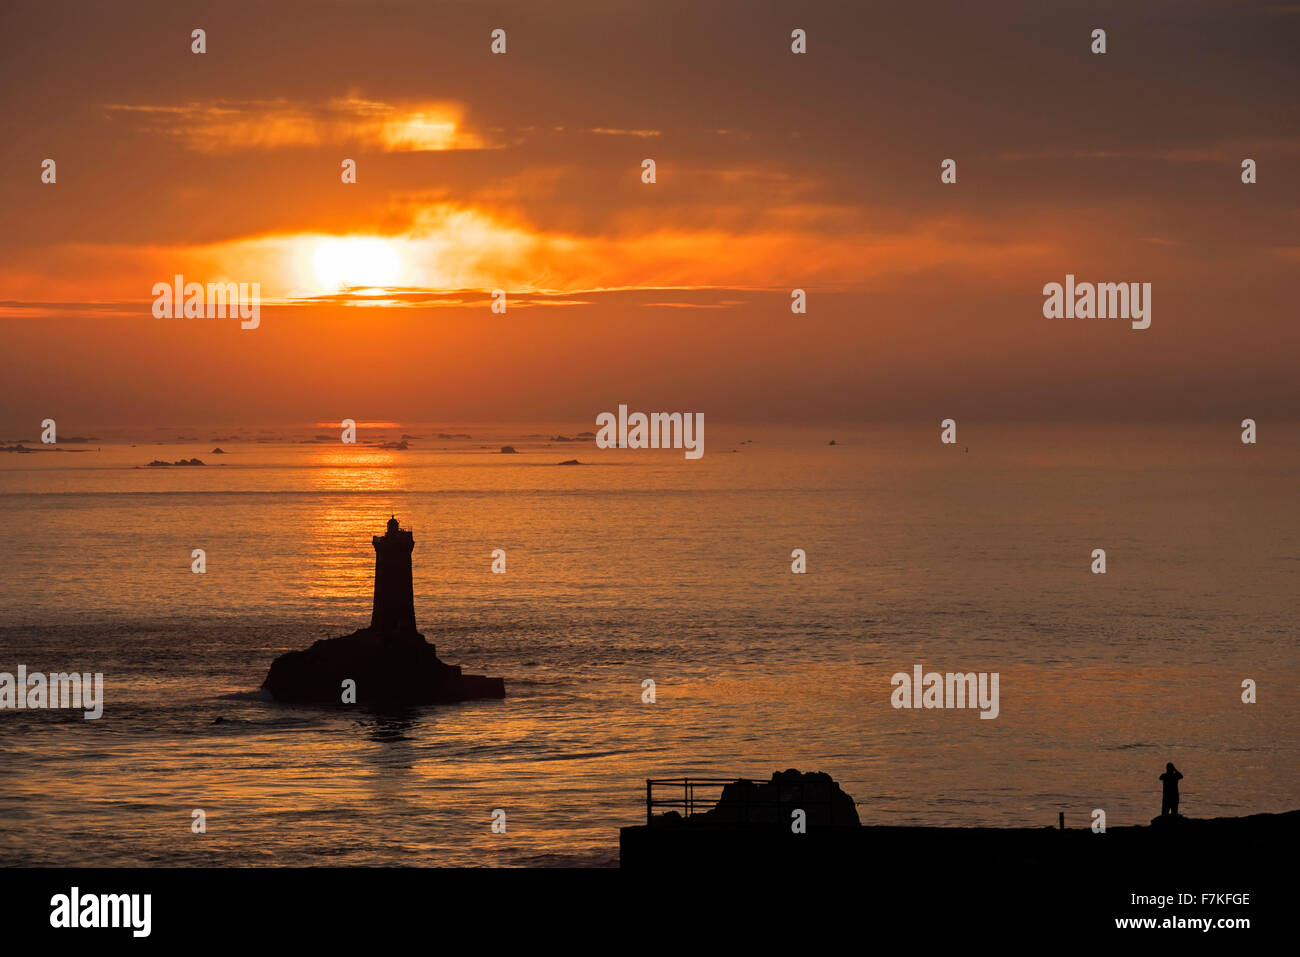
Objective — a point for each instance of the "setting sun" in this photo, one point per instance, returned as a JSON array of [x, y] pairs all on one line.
[[350, 263]]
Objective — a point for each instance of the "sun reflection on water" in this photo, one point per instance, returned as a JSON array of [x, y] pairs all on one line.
[[339, 564], [356, 470]]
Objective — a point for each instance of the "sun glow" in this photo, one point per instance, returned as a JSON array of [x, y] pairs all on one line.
[[369, 263]]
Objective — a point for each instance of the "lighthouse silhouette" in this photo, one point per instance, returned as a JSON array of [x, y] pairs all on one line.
[[394, 609], [389, 664]]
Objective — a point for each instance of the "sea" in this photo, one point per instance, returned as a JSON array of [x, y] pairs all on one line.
[[642, 566]]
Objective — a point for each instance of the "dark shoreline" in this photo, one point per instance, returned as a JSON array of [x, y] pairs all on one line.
[[1213, 845]]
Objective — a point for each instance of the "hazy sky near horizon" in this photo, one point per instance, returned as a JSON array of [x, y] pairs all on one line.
[[522, 172]]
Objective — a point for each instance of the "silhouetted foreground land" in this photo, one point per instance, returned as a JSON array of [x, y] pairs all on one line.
[[749, 830], [1218, 847]]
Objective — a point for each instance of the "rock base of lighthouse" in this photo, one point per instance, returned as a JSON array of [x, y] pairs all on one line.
[[390, 669]]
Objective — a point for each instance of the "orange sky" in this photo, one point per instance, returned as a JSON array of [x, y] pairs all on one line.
[[522, 172]]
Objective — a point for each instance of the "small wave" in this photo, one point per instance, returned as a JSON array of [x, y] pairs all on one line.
[[602, 858], [261, 694], [578, 756]]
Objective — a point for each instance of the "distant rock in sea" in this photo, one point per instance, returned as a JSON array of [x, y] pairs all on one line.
[[509, 450], [832, 442], [390, 664], [160, 464], [570, 462], [20, 447], [218, 451], [400, 446]]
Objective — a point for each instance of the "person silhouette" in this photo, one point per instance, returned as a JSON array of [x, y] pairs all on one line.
[[1169, 801]]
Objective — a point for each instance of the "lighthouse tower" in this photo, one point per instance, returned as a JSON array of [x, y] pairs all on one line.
[[394, 595]]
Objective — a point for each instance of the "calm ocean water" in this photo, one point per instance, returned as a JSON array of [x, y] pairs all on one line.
[[644, 565]]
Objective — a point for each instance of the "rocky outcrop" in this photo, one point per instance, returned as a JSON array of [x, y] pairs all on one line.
[[389, 669], [771, 802]]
